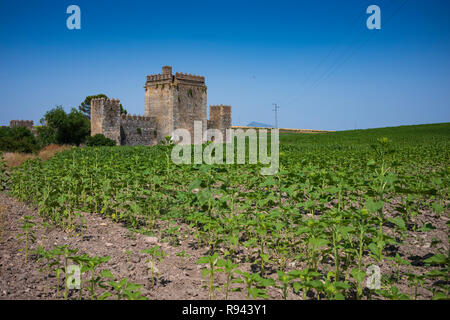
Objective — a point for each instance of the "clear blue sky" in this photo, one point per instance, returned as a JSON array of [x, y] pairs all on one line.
[[315, 58]]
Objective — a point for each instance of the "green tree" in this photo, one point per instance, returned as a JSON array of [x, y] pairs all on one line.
[[17, 139], [64, 128], [122, 110], [46, 135]]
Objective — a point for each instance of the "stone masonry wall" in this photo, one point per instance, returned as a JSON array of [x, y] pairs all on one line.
[[220, 118], [96, 117], [21, 123], [137, 130], [159, 100], [190, 107], [105, 118]]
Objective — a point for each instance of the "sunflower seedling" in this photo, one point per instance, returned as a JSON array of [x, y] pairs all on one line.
[[230, 270], [210, 270], [27, 235], [157, 254]]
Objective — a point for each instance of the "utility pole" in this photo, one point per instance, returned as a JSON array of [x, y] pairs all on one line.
[[276, 114]]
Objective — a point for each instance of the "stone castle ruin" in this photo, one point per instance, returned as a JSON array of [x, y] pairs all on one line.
[[172, 101], [29, 124], [21, 123]]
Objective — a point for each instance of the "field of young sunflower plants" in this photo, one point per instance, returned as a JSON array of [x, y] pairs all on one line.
[[350, 215]]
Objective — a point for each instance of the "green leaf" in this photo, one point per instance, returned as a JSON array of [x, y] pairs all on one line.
[[374, 206], [342, 285], [107, 274], [204, 196], [436, 274], [436, 259], [399, 222], [297, 286], [196, 184], [258, 293], [104, 296], [203, 260], [318, 242], [427, 227], [358, 274], [440, 296], [205, 272], [338, 296], [373, 248], [437, 207], [317, 284]]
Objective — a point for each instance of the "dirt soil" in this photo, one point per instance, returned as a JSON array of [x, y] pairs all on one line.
[[179, 278], [101, 237]]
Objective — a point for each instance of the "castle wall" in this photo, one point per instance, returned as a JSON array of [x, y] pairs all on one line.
[[24, 123], [96, 117], [220, 119], [191, 106], [159, 100], [21, 123], [137, 130], [105, 118]]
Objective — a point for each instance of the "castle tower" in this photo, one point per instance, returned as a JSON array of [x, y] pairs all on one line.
[[105, 118], [220, 119], [167, 70], [176, 101]]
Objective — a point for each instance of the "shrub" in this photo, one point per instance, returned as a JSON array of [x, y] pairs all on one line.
[[64, 128], [17, 139], [3, 177], [46, 136], [99, 140]]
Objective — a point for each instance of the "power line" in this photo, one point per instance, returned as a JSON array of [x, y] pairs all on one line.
[[337, 66], [276, 114], [344, 56], [304, 86]]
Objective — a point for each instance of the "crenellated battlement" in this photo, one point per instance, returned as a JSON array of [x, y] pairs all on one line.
[[105, 101], [220, 106], [129, 117], [159, 77], [21, 123], [166, 76], [190, 77]]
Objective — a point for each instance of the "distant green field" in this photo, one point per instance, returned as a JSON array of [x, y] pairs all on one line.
[[403, 134]]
